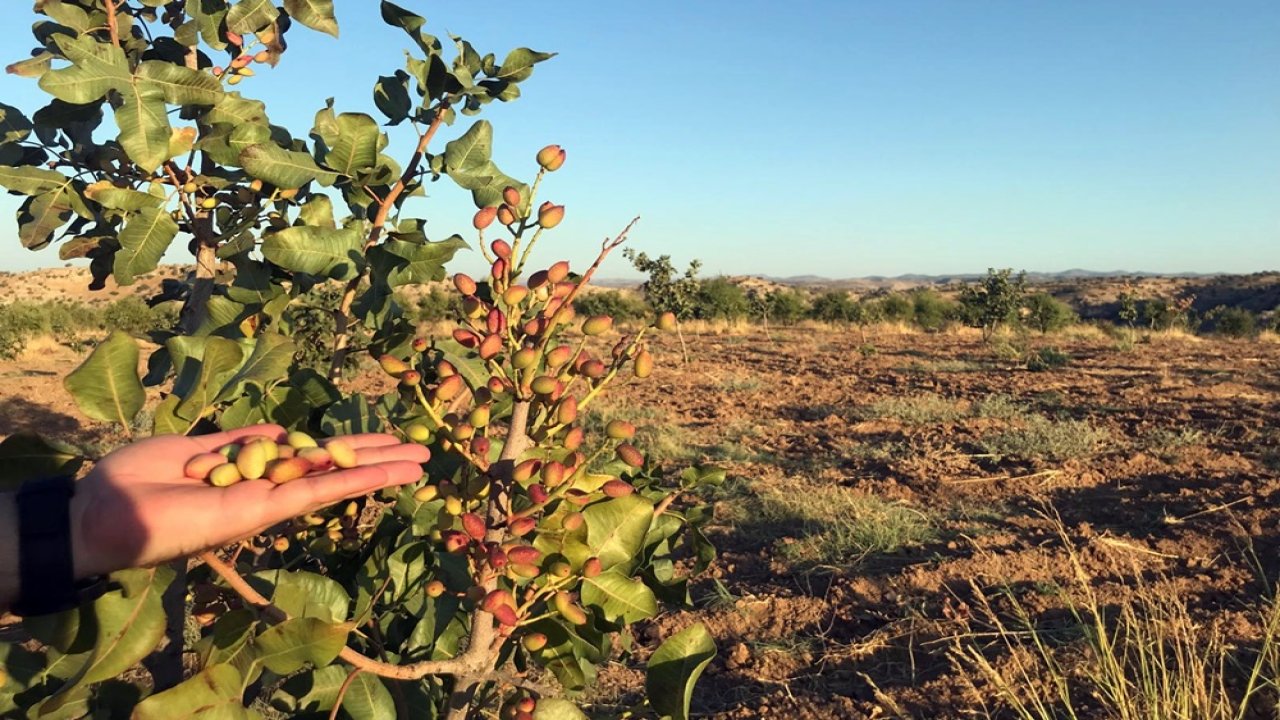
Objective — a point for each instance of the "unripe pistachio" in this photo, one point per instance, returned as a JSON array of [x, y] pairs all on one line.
[[628, 454], [299, 440], [473, 307], [506, 615], [524, 471], [544, 385], [501, 248], [252, 461], [189, 187], [620, 430], [594, 369], [283, 470], [560, 569], [558, 272], [522, 526], [569, 610], [528, 572], [480, 416], [480, 447], [496, 386], [240, 61], [420, 345], [597, 325], [410, 378], [453, 505], [524, 554], [319, 458], [549, 217], [281, 544], [643, 364], [506, 215], [526, 705], [554, 473], [262, 56], [484, 217], [567, 410], [426, 493], [618, 488], [465, 284], [344, 456], [392, 365], [573, 521], [666, 322], [417, 432], [235, 80], [224, 475], [515, 295], [445, 369], [474, 525], [524, 358], [288, 193], [551, 158], [435, 589], [285, 451], [496, 599], [495, 322], [199, 467], [499, 269], [490, 347], [538, 279], [466, 338], [455, 541], [592, 567], [574, 439], [533, 642], [462, 432], [538, 493], [511, 196], [209, 203], [496, 557], [558, 356]]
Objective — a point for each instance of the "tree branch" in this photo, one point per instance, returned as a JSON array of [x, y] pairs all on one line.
[[112, 27]]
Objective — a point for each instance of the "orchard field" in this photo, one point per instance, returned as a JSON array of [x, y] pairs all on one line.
[[915, 525]]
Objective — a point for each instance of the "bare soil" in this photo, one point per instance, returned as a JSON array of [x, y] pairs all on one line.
[[1182, 483]]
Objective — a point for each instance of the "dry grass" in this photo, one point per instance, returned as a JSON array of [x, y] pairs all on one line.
[[1148, 657]]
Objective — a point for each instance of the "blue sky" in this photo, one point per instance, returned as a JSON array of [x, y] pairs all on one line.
[[851, 138]]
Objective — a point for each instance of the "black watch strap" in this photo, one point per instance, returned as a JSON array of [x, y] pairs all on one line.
[[45, 567]]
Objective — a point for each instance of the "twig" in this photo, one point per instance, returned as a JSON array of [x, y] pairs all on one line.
[[342, 692], [968, 481], [1175, 520], [112, 27]]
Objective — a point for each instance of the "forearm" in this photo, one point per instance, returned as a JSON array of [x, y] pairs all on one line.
[[8, 549]]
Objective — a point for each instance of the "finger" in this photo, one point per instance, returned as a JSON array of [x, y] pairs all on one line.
[[364, 440], [399, 451], [313, 492], [217, 440]]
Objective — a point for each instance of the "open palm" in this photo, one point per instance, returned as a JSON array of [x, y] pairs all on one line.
[[136, 507]]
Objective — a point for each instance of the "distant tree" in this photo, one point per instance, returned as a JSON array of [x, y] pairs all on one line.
[[720, 299], [931, 311], [993, 302], [664, 290], [832, 306], [1047, 313], [779, 305], [1128, 306], [1233, 322], [897, 308], [622, 306]]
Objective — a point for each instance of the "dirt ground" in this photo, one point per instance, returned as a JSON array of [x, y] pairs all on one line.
[[1158, 460]]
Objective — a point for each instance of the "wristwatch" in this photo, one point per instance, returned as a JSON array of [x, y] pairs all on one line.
[[45, 566]]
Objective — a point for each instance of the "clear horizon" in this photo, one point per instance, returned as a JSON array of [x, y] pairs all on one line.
[[849, 139]]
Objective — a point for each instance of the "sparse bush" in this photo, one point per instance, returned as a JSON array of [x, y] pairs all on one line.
[[132, 315], [720, 299], [621, 306], [1043, 439], [1047, 358], [914, 410], [833, 306], [1047, 314], [664, 290], [993, 302], [781, 305], [1234, 322], [896, 308], [931, 311], [436, 305]]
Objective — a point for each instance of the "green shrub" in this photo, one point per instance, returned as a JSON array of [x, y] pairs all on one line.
[[1047, 358], [1043, 439], [782, 306], [993, 302], [896, 308], [1234, 322], [132, 315], [622, 306], [435, 305], [1047, 313], [833, 306], [720, 299], [931, 311]]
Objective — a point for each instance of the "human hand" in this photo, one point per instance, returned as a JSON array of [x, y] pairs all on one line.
[[137, 507]]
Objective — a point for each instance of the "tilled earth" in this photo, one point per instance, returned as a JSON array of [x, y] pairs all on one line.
[[1177, 482]]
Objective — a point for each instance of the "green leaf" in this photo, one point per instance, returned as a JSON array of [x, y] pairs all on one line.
[[368, 699], [557, 709], [31, 180], [411, 23], [418, 263], [144, 126], [318, 211], [391, 95], [143, 241], [471, 151], [287, 647], [66, 14], [200, 382], [32, 66], [39, 218], [674, 668], [166, 420], [303, 594], [96, 69], [357, 145], [130, 623], [326, 252], [268, 363], [24, 456], [116, 198], [616, 529], [106, 386], [233, 109], [283, 168], [349, 416], [179, 85], [14, 126], [249, 16], [212, 694], [307, 694], [315, 14], [518, 65], [619, 596]]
